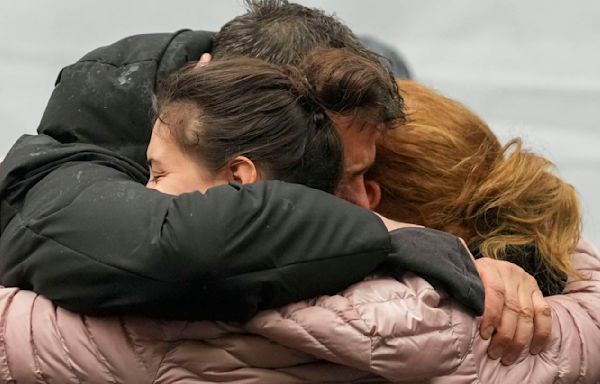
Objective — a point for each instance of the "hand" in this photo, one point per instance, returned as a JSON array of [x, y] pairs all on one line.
[[516, 314], [204, 59]]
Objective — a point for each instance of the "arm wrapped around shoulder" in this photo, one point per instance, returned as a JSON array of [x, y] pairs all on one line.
[[441, 259]]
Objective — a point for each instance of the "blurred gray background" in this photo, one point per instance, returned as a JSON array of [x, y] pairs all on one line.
[[530, 68]]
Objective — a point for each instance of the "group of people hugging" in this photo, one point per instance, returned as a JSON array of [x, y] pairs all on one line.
[[271, 203]]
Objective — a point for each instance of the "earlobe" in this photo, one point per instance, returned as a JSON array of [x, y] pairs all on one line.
[[373, 191], [242, 170]]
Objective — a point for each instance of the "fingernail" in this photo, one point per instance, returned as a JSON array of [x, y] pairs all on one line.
[[495, 353], [509, 359], [487, 333]]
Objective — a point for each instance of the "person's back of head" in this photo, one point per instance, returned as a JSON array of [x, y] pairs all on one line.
[[283, 33], [280, 32], [446, 169], [276, 116]]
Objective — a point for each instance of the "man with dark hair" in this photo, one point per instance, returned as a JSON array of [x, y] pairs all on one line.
[[78, 226], [284, 33]]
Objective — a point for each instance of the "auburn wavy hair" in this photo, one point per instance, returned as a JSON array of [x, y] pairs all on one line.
[[445, 169]]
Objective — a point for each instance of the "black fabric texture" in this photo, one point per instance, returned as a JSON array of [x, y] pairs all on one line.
[[441, 259]]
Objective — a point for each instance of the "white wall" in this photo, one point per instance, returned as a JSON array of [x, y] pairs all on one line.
[[529, 68]]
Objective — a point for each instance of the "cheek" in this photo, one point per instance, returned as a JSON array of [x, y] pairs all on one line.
[[354, 191]]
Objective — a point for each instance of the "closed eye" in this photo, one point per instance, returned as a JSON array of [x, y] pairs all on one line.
[[155, 177]]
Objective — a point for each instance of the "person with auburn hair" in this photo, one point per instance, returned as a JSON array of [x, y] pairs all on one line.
[[445, 169]]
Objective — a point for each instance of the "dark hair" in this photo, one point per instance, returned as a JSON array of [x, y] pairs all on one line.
[[276, 116], [284, 33]]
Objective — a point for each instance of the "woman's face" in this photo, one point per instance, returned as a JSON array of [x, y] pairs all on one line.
[[174, 171]]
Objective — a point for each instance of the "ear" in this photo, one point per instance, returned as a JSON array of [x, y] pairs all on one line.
[[204, 59], [373, 191], [242, 170]]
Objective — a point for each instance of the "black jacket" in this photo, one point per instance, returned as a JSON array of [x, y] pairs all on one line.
[[78, 226], [105, 97]]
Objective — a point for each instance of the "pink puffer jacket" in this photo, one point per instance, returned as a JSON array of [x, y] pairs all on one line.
[[378, 330]]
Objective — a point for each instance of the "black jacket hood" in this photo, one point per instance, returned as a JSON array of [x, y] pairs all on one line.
[[105, 98]]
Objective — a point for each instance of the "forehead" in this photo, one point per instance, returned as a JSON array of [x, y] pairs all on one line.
[[161, 141], [359, 139], [176, 119]]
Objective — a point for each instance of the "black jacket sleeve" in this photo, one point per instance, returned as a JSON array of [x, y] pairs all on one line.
[[81, 230], [105, 98], [441, 259]]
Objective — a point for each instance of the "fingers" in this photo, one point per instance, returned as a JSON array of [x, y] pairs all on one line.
[[505, 331], [494, 298], [524, 326], [204, 59], [542, 321], [516, 314]]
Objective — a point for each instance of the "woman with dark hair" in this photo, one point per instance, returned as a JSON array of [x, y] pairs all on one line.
[[243, 120], [234, 121]]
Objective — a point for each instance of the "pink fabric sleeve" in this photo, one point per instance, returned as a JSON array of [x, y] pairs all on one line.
[[572, 354], [578, 312], [42, 343], [402, 330]]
